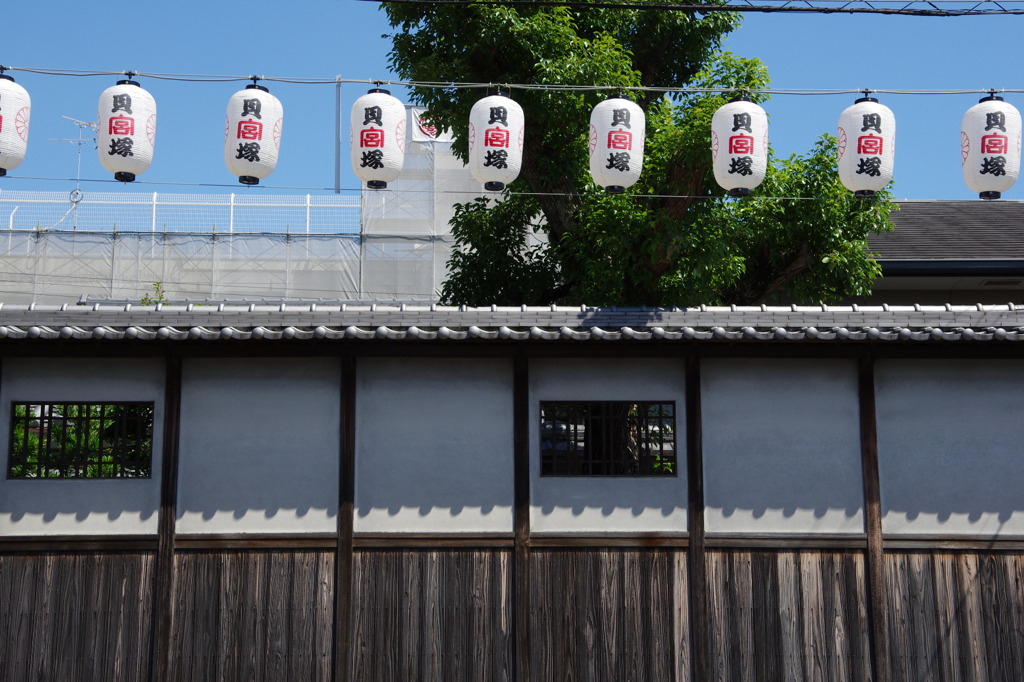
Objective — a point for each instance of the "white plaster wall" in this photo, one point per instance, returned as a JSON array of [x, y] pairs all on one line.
[[434, 446], [581, 504], [951, 446], [259, 445], [781, 446], [81, 507]]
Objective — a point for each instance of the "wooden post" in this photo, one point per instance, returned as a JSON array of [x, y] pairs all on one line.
[[700, 644], [875, 569], [521, 497], [163, 591], [344, 557]]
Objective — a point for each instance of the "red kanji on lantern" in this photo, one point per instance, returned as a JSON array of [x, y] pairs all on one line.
[[496, 137], [741, 144], [620, 139], [994, 144], [250, 130], [121, 125], [371, 137], [870, 144]]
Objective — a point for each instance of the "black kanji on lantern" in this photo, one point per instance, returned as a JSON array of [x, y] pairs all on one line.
[[252, 107], [122, 103], [871, 166], [995, 119], [993, 165], [249, 151], [121, 146], [497, 158], [741, 122], [618, 161], [742, 165], [872, 122], [620, 117], [372, 159], [499, 115], [373, 115]]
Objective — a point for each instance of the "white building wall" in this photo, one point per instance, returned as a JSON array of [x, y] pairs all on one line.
[[434, 446], [597, 504], [259, 445], [781, 446], [83, 506], [951, 446]]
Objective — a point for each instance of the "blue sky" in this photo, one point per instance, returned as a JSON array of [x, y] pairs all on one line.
[[330, 38]]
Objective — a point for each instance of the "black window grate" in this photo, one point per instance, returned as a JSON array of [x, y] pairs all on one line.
[[607, 438], [81, 440]]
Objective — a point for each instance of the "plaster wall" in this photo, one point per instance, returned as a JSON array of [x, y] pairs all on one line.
[[81, 507], [259, 445], [434, 446], [781, 446], [561, 504], [951, 446]]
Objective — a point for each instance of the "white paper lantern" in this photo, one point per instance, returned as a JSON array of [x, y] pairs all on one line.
[[126, 130], [617, 132], [15, 111], [252, 138], [739, 146], [866, 147], [990, 147], [377, 138], [496, 127]]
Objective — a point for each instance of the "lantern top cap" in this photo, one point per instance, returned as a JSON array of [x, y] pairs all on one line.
[[741, 97], [620, 95], [866, 98], [378, 89], [5, 77], [992, 97], [496, 91], [129, 81], [255, 84]]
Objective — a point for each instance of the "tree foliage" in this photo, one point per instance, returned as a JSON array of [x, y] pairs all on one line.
[[674, 239]]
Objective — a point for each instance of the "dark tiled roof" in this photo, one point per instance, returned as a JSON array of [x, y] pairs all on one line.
[[954, 231], [311, 323]]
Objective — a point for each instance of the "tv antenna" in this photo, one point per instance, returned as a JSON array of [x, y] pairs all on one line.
[[76, 193]]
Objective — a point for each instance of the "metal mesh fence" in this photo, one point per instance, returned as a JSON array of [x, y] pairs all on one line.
[[156, 212]]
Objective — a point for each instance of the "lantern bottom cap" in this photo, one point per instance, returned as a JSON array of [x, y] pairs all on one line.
[[248, 180], [376, 184], [3, 172], [124, 177], [739, 192], [494, 186], [989, 196], [615, 189], [864, 193]]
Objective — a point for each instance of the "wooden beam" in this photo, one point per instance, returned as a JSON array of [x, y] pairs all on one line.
[[344, 560], [875, 573], [160, 666], [521, 520], [700, 643]]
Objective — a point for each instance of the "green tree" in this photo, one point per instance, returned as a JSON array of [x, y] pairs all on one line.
[[674, 239]]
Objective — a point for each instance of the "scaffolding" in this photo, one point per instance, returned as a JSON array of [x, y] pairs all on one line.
[[390, 245]]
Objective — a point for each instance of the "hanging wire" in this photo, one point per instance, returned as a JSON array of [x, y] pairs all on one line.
[[914, 8], [438, 85]]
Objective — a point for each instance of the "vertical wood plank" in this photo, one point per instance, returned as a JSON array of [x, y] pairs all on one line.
[[163, 592], [344, 556], [877, 619], [700, 643], [521, 519]]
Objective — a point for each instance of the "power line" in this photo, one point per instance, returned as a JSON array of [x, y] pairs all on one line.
[[914, 8]]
